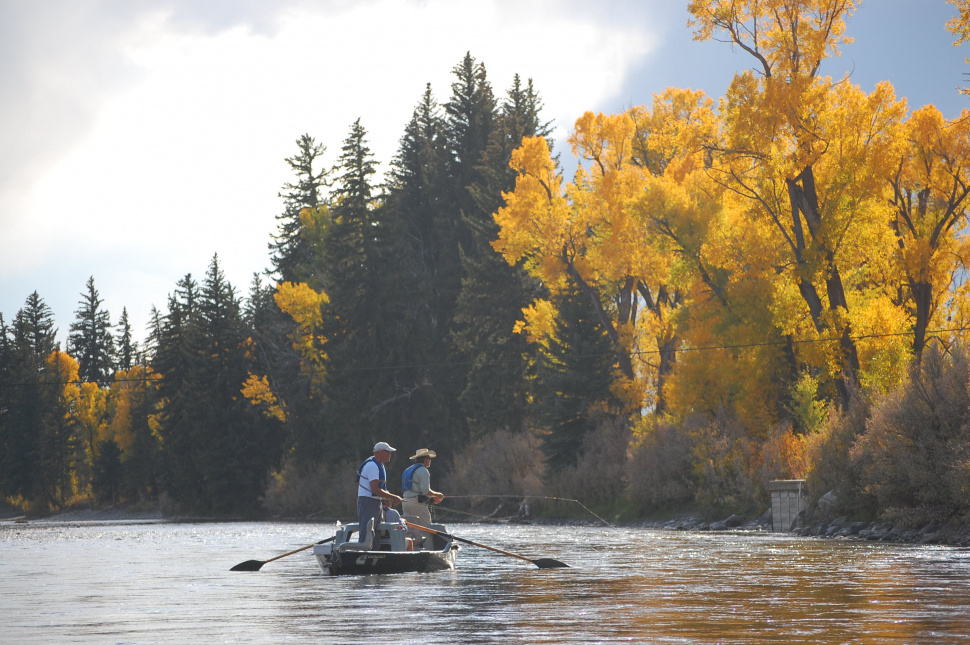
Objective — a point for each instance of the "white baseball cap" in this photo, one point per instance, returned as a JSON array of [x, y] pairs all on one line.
[[383, 445]]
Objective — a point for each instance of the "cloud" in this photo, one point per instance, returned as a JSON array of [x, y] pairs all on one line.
[[147, 136]]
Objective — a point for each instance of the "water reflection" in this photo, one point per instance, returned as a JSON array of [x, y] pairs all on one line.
[[169, 583]]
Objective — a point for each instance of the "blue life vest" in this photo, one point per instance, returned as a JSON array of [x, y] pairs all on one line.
[[408, 477], [382, 474]]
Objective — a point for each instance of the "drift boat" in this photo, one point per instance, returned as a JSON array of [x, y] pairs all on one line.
[[401, 551]]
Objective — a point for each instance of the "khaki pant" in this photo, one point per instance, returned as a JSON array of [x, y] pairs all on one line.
[[421, 514], [420, 511]]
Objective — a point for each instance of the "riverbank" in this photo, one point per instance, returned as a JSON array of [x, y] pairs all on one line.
[[837, 528], [123, 514], [841, 528]]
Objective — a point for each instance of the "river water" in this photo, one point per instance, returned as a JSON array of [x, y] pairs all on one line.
[[170, 583]]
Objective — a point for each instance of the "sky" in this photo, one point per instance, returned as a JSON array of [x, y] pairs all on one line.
[[139, 138]]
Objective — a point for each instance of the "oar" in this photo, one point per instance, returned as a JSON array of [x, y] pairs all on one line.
[[256, 565], [542, 563]]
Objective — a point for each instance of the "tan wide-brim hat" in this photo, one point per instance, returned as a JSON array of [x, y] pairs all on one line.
[[422, 453]]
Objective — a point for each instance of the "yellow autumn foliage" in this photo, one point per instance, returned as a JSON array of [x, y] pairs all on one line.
[[538, 323], [305, 306], [788, 38], [126, 391], [258, 391]]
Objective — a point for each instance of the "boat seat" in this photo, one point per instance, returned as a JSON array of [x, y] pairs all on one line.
[[365, 545]]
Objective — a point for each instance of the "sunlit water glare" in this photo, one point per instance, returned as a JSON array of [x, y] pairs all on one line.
[[170, 583]]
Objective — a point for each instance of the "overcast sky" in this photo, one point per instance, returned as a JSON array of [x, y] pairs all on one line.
[[140, 137]]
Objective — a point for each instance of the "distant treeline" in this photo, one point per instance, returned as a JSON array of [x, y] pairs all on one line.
[[768, 288]]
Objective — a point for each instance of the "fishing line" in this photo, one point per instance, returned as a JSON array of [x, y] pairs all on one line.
[[439, 507], [561, 499]]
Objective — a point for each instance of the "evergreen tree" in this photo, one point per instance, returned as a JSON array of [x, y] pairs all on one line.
[[90, 337], [127, 348], [470, 124], [177, 351], [493, 292], [469, 119], [218, 449], [8, 400], [296, 258], [417, 204], [34, 332], [238, 446], [291, 252], [349, 323], [574, 376], [27, 440], [107, 472], [155, 325], [464, 132]]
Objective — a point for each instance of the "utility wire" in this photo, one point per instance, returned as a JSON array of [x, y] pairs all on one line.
[[641, 352]]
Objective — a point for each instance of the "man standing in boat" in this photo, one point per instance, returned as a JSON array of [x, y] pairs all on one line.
[[416, 486], [372, 492]]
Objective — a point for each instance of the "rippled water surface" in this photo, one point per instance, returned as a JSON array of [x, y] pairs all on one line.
[[170, 583]]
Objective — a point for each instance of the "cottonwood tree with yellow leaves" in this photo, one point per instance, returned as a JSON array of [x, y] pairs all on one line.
[[930, 190], [805, 237], [583, 236]]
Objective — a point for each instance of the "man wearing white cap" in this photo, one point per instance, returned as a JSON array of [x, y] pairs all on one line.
[[416, 485], [372, 491]]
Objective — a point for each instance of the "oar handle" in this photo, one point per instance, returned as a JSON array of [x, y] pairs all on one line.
[[302, 548], [455, 537]]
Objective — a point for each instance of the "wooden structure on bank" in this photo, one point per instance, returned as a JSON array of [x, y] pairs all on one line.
[[789, 497]]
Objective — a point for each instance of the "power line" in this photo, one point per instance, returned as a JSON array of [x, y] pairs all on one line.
[[640, 352]]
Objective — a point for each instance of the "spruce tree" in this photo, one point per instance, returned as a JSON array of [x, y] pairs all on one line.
[[8, 374], [177, 350], [296, 250], [218, 449], [469, 119], [470, 125], [292, 255], [573, 380], [237, 446], [349, 321], [90, 339], [127, 348], [27, 436], [493, 292]]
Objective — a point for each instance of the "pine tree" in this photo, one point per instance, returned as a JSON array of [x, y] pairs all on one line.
[[418, 205], [24, 420], [291, 253], [8, 400], [236, 447], [349, 323], [90, 338], [574, 376], [470, 124], [127, 348], [34, 332], [218, 450], [493, 292], [469, 120], [177, 349], [296, 258]]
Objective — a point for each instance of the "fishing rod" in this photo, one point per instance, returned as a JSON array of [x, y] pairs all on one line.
[[560, 499]]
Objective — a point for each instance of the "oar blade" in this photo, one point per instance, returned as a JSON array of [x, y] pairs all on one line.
[[249, 565], [549, 563]]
